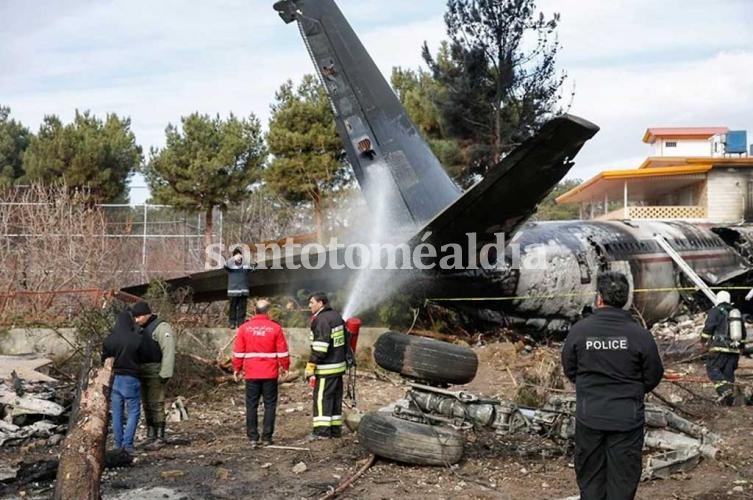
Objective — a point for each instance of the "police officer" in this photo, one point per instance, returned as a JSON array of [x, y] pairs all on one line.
[[725, 353], [613, 362], [326, 365], [237, 287]]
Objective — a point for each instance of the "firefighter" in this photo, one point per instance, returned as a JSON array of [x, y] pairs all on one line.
[[721, 335], [613, 362], [260, 352], [326, 366]]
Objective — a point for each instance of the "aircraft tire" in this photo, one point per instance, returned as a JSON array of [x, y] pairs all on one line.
[[410, 442], [425, 359]]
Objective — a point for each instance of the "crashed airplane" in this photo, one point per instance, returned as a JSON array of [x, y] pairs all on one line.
[[395, 167]]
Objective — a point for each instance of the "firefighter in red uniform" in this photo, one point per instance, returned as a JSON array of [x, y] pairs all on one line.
[[326, 365], [261, 353]]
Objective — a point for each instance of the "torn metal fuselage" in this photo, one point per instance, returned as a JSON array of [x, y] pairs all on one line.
[[548, 276], [677, 444]]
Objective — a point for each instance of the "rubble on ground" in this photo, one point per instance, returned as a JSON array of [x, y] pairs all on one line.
[[32, 404]]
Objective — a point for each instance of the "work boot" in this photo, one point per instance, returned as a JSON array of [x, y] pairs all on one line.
[[159, 440], [151, 435]]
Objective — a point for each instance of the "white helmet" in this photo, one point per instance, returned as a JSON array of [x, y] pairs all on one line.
[[722, 297]]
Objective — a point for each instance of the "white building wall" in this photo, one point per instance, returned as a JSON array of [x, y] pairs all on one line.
[[686, 147], [726, 190]]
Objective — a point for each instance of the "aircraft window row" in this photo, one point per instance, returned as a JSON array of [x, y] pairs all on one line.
[[652, 246]]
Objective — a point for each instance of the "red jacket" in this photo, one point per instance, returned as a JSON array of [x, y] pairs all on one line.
[[260, 349]]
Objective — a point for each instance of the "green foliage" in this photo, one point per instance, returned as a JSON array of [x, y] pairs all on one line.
[[417, 91], [87, 153], [303, 140], [14, 139], [549, 210], [493, 89], [210, 162]]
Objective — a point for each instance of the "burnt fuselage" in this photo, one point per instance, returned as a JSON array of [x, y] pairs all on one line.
[[574, 252]]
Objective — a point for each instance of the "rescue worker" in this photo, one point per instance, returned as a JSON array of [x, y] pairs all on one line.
[[260, 352], [237, 287], [157, 354], [725, 353], [123, 345], [613, 362], [326, 365]]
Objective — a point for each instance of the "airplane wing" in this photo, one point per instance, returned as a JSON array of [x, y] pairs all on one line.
[[273, 279], [510, 192]]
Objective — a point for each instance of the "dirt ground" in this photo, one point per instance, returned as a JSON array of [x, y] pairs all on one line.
[[220, 463]]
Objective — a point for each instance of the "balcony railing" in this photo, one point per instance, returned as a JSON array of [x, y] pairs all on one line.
[[661, 212]]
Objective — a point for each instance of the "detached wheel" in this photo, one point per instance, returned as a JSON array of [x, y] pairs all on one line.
[[404, 441], [425, 359]]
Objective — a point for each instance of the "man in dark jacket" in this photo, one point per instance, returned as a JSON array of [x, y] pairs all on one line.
[[237, 287], [260, 352], [326, 365], [157, 354], [613, 363], [123, 345], [724, 352]]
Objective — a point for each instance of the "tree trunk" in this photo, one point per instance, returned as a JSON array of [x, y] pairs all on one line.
[[208, 233], [318, 219], [82, 456]]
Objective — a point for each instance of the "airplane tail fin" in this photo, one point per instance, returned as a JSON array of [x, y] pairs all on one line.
[[392, 162]]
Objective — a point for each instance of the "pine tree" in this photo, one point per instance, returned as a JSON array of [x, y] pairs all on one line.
[[493, 91], [87, 153], [14, 139], [209, 162], [307, 151]]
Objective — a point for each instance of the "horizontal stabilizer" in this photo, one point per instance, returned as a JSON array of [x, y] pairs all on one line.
[[511, 191]]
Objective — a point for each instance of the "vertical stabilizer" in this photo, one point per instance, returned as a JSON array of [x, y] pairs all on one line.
[[392, 162]]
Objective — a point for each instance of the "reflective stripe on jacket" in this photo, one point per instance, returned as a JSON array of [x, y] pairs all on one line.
[[260, 349], [328, 343]]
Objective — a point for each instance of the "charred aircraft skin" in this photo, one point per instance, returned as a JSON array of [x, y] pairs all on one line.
[[564, 289]]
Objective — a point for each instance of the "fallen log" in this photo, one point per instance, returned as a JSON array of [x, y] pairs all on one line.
[[83, 450]]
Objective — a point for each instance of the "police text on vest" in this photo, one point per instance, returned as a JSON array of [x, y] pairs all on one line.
[[606, 344]]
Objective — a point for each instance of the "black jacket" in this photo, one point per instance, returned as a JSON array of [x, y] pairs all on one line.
[[238, 278], [613, 363], [328, 343], [715, 331], [123, 345]]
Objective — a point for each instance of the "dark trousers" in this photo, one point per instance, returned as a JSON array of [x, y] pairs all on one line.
[[237, 311], [153, 398], [267, 391], [607, 463], [720, 367], [328, 402]]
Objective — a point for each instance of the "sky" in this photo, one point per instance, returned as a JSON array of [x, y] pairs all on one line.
[[631, 65]]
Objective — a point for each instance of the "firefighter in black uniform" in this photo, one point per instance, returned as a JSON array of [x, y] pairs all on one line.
[[326, 365], [725, 352], [613, 363]]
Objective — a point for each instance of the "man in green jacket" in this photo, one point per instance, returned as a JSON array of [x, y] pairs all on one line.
[[157, 355]]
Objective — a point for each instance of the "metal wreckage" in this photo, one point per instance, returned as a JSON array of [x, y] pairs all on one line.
[[426, 426], [395, 168], [383, 146]]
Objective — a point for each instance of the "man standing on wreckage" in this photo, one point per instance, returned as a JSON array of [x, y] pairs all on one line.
[[613, 362]]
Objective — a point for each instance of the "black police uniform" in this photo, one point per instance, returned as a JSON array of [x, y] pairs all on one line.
[[722, 363], [613, 363], [328, 350]]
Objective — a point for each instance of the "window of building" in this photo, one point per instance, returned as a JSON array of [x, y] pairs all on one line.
[[671, 144]]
